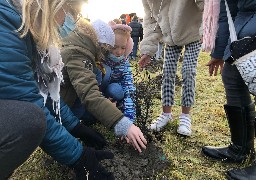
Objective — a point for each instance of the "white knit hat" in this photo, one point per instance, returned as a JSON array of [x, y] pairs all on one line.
[[104, 32]]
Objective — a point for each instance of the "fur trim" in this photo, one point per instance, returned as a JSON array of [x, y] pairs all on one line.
[[129, 47], [115, 26], [178, 24], [87, 29]]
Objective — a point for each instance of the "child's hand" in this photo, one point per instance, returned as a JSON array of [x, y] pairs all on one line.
[[136, 138], [144, 61]]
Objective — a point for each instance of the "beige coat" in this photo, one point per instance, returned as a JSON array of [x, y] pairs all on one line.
[[178, 23], [78, 54]]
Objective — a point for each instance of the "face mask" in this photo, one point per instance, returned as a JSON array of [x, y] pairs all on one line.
[[114, 58], [68, 25]]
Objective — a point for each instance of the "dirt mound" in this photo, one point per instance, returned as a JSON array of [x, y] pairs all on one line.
[[129, 164]]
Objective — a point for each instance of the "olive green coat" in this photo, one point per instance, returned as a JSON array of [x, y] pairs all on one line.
[[79, 53]]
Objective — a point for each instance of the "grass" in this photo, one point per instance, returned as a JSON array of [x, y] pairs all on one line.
[[209, 127]]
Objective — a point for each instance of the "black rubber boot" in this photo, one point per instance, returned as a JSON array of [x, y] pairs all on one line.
[[241, 124], [247, 173]]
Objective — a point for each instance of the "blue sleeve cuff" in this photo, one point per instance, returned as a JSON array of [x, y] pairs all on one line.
[[121, 128]]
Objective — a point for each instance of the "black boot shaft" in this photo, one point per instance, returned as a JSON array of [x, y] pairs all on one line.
[[250, 121], [247, 172], [237, 124], [242, 127], [241, 124]]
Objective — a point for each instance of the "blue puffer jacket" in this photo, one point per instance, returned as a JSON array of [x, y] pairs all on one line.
[[18, 83], [244, 16]]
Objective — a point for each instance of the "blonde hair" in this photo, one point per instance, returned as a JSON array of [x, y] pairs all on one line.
[[117, 21], [38, 18]]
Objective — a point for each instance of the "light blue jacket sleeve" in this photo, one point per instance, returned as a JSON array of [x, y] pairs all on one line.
[[129, 90]]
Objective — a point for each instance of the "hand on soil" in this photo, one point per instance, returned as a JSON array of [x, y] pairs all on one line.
[[136, 138]]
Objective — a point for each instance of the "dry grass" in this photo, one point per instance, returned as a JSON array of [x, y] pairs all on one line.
[[209, 128]]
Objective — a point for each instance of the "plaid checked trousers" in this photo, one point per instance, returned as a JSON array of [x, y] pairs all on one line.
[[188, 72]]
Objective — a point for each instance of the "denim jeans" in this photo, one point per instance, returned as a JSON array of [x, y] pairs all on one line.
[[135, 46]]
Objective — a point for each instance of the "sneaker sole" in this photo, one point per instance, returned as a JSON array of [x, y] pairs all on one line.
[[159, 129], [184, 133]]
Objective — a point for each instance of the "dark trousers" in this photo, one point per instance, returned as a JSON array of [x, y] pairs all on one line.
[[22, 128], [135, 46], [237, 93]]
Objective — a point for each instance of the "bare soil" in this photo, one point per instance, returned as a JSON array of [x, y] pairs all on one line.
[[129, 164]]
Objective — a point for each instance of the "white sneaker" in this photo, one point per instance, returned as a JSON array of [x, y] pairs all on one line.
[[185, 125], [160, 122]]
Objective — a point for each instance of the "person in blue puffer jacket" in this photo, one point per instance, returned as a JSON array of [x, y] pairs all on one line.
[[240, 110], [30, 73]]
